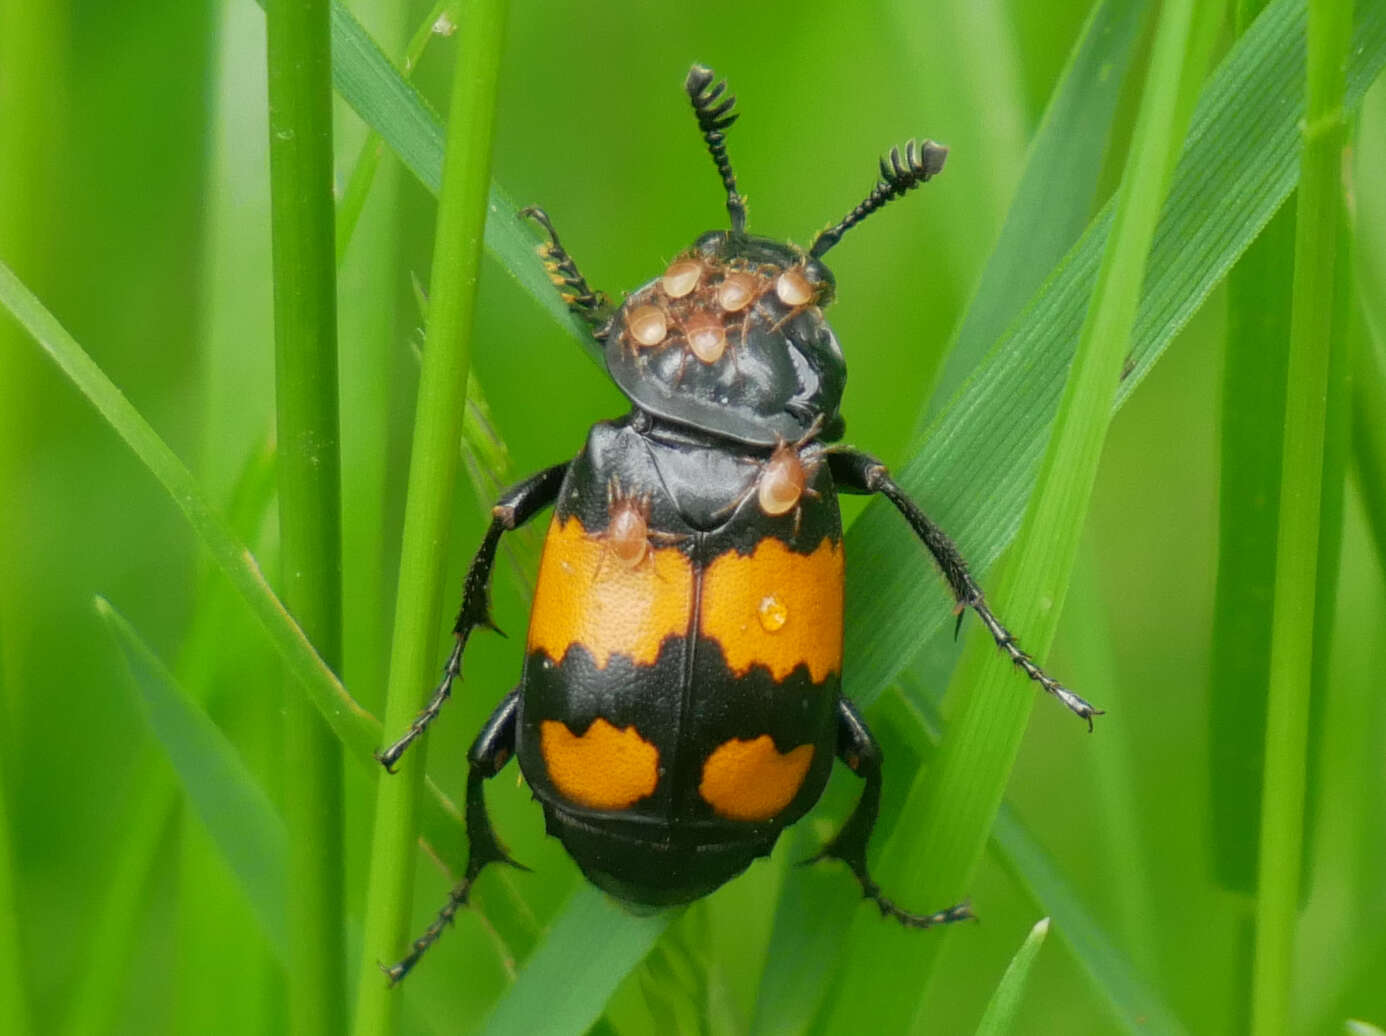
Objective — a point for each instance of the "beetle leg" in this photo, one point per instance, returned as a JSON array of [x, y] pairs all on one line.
[[858, 749], [861, 473], [515, 507], [489, 753], [592, 306]]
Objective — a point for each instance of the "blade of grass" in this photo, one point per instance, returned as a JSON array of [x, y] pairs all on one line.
[[1253, 395], [1133, 1001], [359, 731], [1004, 1006], [432, 478], [236, 812], [976, 466], [1312, 341], [363, 170], [310, 504], [564, 986], [1051, 206], [388, 104], [14, 1011], [1369, 362], [1056, 191], [1369, 435], [932, 857]]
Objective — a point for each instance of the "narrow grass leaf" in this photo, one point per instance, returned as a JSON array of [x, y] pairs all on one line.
[[363, 170], [1253, 395], [1004, 1006], [932, 858], [389, 104], [1369, 361], [1312, 342], [236, 812], [1049, 211], [563, 988], [14, 1010], [1056, 192], [976, 465], [1134, 1002], [358, 730], [1369, 434]]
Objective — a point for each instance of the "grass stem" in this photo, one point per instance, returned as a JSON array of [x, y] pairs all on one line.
[[309, 465], [432, 478], [1312, 341], [933, 858]]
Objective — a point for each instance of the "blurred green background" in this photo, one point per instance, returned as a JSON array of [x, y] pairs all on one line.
[[134, 202]]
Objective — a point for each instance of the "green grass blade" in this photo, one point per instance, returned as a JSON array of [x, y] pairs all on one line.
[[934, 854], [1134, 1002], [1312, 341], [310, 502], [1056, 193], [432, 480], [1369, 435], [240, 817], [1049, 211], [1369, 361], [564, 987], [370, 83], [358, 730], [14, 1012], [363, 170], [1253, 396], [975, 467], [1004, 1006]]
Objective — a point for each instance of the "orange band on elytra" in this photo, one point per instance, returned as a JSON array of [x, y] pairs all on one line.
[[776, 608], [587, 596]]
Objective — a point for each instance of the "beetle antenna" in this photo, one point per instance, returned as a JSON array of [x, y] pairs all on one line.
[[713, 107], [899, 175]]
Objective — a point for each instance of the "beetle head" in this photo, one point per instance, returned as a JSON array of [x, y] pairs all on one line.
[[731, 339]]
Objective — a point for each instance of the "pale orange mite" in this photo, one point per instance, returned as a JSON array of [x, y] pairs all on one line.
[[628, 535], [648, 325], [793, 288], [736, 292], [681, 278], [781, 482], [706, 336]]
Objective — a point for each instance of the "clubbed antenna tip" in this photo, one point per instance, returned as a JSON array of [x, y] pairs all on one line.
[[900, 173], [713, 107]]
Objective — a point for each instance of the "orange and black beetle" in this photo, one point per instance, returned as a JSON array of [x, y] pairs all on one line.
[[681, 699]]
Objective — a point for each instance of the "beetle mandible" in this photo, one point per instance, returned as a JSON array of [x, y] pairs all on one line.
[[680, 702]]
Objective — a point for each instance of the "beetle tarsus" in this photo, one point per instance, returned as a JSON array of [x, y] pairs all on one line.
[[857, 747], [492, 749]]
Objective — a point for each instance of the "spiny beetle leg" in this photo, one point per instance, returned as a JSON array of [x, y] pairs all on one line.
[[857, 472], [516, 506], [489, 753], [858, 749]]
